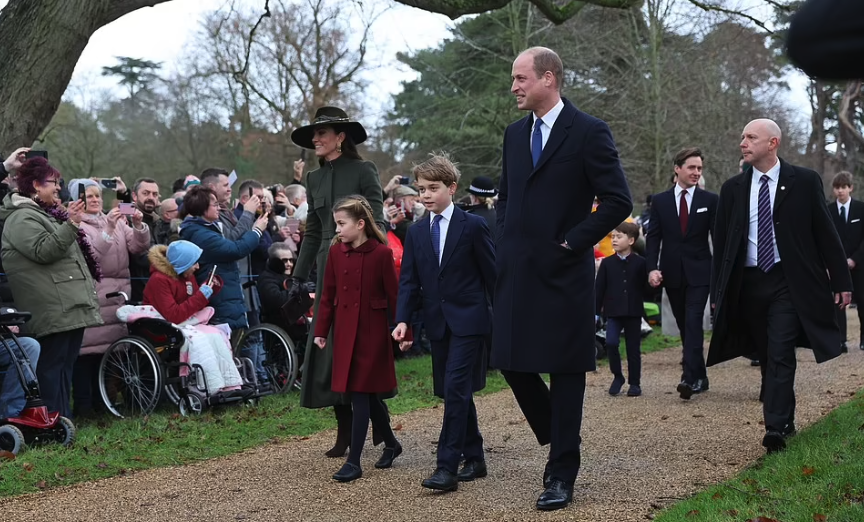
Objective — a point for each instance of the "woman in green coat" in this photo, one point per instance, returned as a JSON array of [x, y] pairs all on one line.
[[51, 269], [342, 172]]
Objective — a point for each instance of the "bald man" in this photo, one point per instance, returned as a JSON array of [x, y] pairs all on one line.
[[779, 272]]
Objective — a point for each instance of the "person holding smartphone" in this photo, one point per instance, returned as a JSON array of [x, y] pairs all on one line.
[[113, 241]]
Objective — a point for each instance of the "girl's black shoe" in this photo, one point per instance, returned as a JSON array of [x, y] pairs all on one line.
[[389, 456], [348, 473]]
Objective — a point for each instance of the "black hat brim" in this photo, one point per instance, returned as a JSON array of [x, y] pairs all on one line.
[[302, 136]]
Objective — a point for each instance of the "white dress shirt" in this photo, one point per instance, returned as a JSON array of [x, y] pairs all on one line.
[[443, 225], [846, 206], [548, 122], [688, 198], [753, 233]]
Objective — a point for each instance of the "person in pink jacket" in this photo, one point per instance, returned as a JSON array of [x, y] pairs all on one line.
[[113, 240]]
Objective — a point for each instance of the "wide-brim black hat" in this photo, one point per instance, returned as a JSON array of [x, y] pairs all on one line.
[[483, 187], [330, 117]]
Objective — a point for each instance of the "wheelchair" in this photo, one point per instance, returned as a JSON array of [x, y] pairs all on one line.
[[139, 371]]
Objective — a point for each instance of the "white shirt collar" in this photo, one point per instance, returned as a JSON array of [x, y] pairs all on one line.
[[679, 190], [552, 115], [773, 173], [446, 214], [843, 204]]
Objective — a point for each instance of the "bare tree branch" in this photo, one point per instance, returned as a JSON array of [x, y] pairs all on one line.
[[732, 12]]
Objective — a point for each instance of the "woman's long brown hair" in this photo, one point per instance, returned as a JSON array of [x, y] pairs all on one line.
[[358, 208]]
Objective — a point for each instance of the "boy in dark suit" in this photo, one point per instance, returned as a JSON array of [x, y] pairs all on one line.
[[848, 214], [448, 269], [620, 282]]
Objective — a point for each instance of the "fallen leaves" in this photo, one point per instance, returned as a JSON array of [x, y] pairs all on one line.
[[398, 427], [7, 455], [818, 517], [807, 471], [763, 519], [28, 467], [693, 513], [41, 484]]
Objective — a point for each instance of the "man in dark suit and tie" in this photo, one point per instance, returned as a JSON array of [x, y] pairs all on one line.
[[778, 261], [679, 258], [848, 214], [556, 160], [448, 271]]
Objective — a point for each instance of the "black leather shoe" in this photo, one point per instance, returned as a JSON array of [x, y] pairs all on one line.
[[774, 441], [617, 383], [685, 390], [557, 496], [754, 362], [634, 390], [389, 456], [442, 480], [547, 474], [472, 470], [701, 385], [348, 473]]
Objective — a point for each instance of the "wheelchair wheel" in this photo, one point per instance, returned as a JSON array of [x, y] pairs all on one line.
[[279, 360], [130, 378], [11, 439], [66, 431]]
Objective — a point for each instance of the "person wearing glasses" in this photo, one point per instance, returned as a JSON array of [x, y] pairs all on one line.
[[282, 301], [52, 271]]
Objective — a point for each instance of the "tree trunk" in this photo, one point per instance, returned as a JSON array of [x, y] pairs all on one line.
[[40, 43]]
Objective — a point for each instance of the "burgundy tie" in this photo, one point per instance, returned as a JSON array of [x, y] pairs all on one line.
[[683, 214]]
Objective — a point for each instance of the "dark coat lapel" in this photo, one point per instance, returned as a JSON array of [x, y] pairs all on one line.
[[425, 236], [454, 232], [672, 210], [560, 131], [742, 198], [784, 184], [523, 144]]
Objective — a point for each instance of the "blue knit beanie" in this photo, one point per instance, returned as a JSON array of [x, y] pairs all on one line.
[[183, 255]]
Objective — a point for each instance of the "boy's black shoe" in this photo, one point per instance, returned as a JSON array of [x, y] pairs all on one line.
[[617, 383], [442, 480], [472, 470], [685, 390], [634, 390]]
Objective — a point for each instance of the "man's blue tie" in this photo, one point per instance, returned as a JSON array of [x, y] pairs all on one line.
[[765, 227], [436, 237], [537, 141]]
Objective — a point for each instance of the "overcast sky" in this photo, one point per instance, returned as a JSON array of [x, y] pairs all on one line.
[[159, 34]]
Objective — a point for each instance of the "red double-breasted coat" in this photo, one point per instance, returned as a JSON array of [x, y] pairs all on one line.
[[359, 301]]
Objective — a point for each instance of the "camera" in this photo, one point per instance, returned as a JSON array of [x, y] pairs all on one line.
[[404, 180]]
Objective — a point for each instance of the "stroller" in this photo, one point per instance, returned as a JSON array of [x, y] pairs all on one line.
[[35, 424]]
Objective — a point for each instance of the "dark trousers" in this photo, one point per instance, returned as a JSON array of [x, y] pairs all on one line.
[[555, 415], [86, 397], [858, 298], [774, 326], [688, 307], [632, 327], [56, 362], [460, 433]]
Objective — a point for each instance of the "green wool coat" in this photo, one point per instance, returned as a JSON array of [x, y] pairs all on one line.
[[46, 269], [324, 186]]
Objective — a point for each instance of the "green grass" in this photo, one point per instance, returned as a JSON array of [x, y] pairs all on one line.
[[819, 477], [112, 447]]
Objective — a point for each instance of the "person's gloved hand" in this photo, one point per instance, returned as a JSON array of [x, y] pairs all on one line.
[[206, 290]]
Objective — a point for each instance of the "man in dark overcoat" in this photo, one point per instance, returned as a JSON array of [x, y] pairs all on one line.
[[777, 261], [556, 160]]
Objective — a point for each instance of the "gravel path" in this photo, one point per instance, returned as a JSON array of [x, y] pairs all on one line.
[[637, 453]]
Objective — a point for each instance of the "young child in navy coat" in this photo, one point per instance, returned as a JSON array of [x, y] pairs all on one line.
[[619, 287], [448, 269]]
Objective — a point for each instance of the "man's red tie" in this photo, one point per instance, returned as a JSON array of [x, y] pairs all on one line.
[[683, 213]]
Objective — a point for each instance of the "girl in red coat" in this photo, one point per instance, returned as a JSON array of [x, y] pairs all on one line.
[[359, 300]]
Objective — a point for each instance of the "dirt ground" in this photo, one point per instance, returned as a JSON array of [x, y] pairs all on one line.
[[638, 454]]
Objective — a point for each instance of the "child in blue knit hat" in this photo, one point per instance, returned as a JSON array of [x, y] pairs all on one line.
[[173, 291]]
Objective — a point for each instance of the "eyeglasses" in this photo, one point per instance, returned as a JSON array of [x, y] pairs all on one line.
[[287, 260], [54, 181]]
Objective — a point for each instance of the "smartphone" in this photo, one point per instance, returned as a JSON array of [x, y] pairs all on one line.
[[404, 180], [293, 224], [82, 193], [250, 192], [36, 154], [212, 275], [108, 183], [303, 154], [127, 209]]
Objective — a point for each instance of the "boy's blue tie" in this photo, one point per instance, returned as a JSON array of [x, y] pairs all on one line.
[[436, 237], [537, 141]]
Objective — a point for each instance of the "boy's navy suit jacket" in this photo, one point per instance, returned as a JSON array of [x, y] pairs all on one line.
[[458, 293]]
